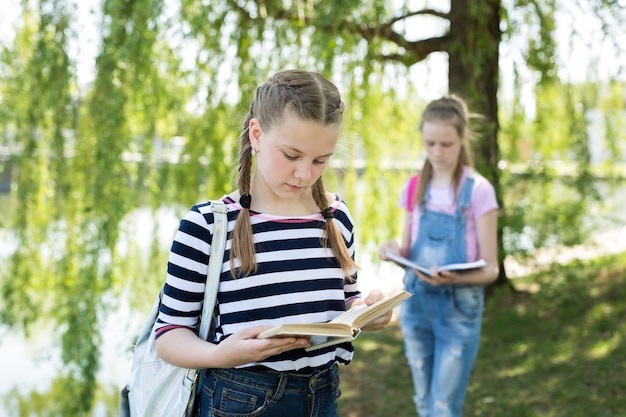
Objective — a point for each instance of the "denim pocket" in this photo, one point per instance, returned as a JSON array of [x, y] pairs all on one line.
[[468, 300], [337, 391], [225, 397]]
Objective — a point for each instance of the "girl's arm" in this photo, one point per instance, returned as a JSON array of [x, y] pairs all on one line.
[[487, 234], [182, 347], [405, 245]]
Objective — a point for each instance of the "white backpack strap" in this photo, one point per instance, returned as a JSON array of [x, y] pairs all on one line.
[[216, 257]]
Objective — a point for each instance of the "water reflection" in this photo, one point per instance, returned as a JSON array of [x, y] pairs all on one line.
[[32, 363]]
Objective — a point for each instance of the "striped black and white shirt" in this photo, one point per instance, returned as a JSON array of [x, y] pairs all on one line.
[[297, 280]]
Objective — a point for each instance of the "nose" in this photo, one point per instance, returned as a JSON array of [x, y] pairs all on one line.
[[303, 171]]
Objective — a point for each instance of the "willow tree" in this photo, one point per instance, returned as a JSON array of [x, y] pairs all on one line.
[[73, 185], [86, 158], [362, 42]]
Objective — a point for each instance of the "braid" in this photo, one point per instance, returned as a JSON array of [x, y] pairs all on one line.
[[332, 235], [242, 247]]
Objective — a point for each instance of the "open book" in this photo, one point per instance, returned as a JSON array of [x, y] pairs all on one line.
[[426, 270], [343, 328]]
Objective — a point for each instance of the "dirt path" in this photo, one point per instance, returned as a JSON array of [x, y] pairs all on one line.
[[607, 243]]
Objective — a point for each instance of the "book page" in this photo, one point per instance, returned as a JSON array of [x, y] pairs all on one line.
[[450, 267], [361, 315], [308, 329], [318, 342], [464, 266], [344, 328]]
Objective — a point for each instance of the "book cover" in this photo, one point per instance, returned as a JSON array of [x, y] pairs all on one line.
[[343, 328], [426, 270]]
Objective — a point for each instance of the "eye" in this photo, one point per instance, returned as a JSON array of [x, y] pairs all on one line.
[[320, 162], [290, 157]]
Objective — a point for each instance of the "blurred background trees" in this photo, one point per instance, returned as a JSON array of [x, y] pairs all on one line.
[[113, 108]]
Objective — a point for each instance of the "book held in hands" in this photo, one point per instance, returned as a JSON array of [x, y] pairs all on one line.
[[426, 270], [344, 328]]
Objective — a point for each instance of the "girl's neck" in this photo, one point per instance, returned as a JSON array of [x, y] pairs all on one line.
[[269, 203], [441, 179], [285, 208]]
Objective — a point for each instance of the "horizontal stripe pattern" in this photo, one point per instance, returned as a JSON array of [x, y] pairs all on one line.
[[297, 281]]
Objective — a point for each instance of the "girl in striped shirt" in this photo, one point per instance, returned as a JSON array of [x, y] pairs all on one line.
[[289, 258]]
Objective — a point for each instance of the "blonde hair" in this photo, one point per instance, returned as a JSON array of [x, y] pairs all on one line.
[[453, 111], [311, 97]]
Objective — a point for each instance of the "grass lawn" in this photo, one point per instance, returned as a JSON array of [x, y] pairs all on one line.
[[554, 348]]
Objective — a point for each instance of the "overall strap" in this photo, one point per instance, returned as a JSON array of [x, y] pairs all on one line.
[[412, 191], [425, 199], [464, 199]]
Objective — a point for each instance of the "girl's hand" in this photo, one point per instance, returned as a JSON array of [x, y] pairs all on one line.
[[243, 347], [382, 321], [438, 278], [389, 247]]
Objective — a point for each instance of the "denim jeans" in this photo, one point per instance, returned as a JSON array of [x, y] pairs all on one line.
[[267, 393], [441, 328]]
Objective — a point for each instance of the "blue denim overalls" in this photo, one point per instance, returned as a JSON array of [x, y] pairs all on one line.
[[441, 325]]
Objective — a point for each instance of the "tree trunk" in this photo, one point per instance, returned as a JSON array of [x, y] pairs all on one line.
[[473, 74]]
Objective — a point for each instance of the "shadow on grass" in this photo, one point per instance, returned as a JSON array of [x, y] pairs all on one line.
[[559, 351]]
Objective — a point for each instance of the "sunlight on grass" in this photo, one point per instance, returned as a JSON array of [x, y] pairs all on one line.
[[511, 372], [600, 311], [604, 348], [530, 287], [521, 348], [565, 352], [369, 346], [561, 358]]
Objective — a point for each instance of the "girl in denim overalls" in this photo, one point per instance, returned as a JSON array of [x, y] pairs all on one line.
[[451, 218]]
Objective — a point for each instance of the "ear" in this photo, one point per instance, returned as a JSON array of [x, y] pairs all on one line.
[[254, 133]]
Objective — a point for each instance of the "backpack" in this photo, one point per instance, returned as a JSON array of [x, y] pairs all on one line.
[[157, 388]]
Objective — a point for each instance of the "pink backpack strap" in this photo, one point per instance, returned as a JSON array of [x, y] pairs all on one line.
[[412, 190]]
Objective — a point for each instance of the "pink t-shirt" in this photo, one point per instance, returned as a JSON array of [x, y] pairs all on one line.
[[483, 200]]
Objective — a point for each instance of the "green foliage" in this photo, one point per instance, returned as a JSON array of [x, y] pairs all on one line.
[[59, 401], [558, 175], [37, 120], [613, 108], [542, 46], [515, 129], [73, 184], [384, 134]]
